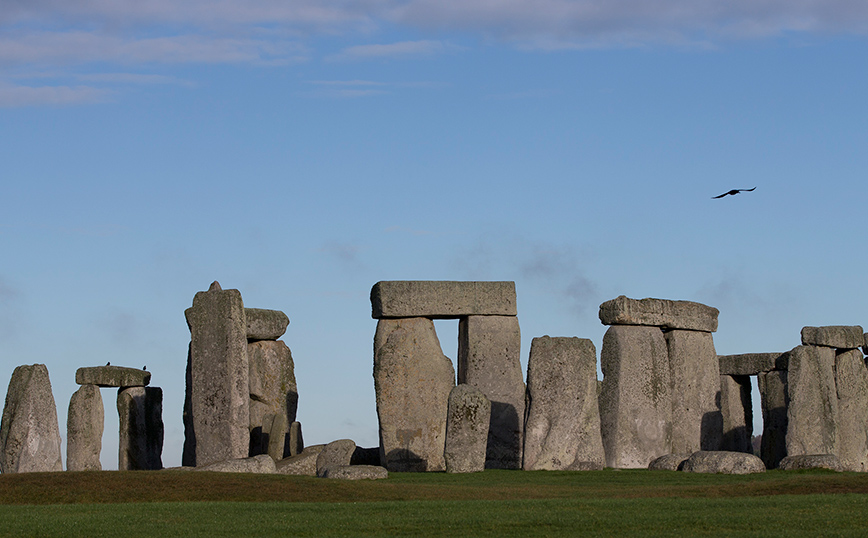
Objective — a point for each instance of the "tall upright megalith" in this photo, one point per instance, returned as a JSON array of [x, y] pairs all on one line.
[[140, 420], [219, 371], [851, 382], [29, 433], [85, 421], [812, 411], [274, 393]]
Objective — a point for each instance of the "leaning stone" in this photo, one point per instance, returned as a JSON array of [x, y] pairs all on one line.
[[366, 456], [697, 423], [659, 313], [563, 414], [489, 358], [752, 363], [441, 299], [303, 464], [336, 453], [112, 376], [140, 422], [296, 441], [261, 464], [812, 413], [811, 461], [265, 324], [774, 400], [851, 382], [356, 472], [466, 430], [635, 401], [736, 410], [837, 336], [276, 436], [85, 421], [669, 462], [220, 397], [29, 434], [721, 462], [273, 391], [412, 380]]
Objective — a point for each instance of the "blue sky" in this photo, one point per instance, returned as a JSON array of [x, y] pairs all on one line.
[[302, 151]]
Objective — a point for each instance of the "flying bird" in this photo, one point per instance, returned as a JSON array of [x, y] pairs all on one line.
[[733, 191]]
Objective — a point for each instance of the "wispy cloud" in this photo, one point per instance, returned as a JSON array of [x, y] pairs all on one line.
[[403, 49], [22, 96]]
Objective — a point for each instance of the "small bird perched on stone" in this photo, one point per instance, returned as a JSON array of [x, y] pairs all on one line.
[[108, 364], [733, 191], [145, 368]]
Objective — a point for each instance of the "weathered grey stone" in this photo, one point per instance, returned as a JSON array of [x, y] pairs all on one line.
[[366, 456], [659, 313], [356, 472], [585, 466], [812, 414], [865, 344], [265, 324], [563, 414], [736, 409], [412, 380], [261, 464], [635, 401], [851, 382], [774, 401], [489, 358], [85, 421], [722, 462], [219, 375], [29, 434], [301, 464], [441, 299], [273, 391], [752, 363], [276, 434], [334, 454], [296, 440], [140, 414], [837, 336], [811, 461], [669, 462], [466, 430], [112, 376], [697, 423]]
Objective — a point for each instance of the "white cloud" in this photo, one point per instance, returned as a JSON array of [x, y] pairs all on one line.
[[19, 96]]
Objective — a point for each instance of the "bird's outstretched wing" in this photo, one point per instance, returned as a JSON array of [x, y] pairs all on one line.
[[733, 191]]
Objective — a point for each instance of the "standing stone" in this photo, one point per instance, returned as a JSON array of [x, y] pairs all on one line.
[[694, 372], [85, 421], [188, 454], [277, 434], [736, 410], [851, 381], [29, 434], [635, 400], [140, 414], [296, 440], [489, 352], [563, 415], [812, 415], [412, 380], [273, 391], [466, 430], [775, 401], [219, 395]]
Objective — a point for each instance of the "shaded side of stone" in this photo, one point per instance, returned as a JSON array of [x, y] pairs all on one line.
[[751, 363], [851, 382], [635, 399], [563, 413], [85, 421], [273, 391], [811, 461], [188, 454], [837, 336], [736, 411], [356, 472], [303, 463], [466, 430], [140, 423], [261, 464], [489, 358], [265, 324], [721, 462], [775, 401], [412, 381], [441, 299], [669, 462], [659, 313], [335, 454], [812, 414], [29, 433], [112, 376], [697, 423], [296, 440], [366, 456]]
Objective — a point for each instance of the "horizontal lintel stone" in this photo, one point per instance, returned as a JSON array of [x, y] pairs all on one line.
[[441, 299], [752, 363], [265, 324], [837, 336], [112, 376], [659, 313]]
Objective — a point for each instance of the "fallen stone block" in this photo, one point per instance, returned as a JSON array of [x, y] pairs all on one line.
[[851, 382], [261, 464], [669, 462], [356, 472], [812, 411], [85, 421], [736, 409], [774, 400], [752, 363], [466, 430], [837, 336], [720, 462], [112, 376], [303, 464], [697, 423], [265, 324], [441, 299], [334, 454], [29, 434], [659, 313], [811, 461]]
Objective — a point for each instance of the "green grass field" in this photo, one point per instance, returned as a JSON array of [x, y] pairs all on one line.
[[493, 503]]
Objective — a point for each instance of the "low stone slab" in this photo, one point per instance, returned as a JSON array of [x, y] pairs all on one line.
[[265, 324], [837, 336], [752, 363], [466, 430], [262, 464], [659, 313], [811, 461], [335, 454], [440, 299], [721, 462], [303, 464], [669, 462], [112, 376], [356, 472]]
